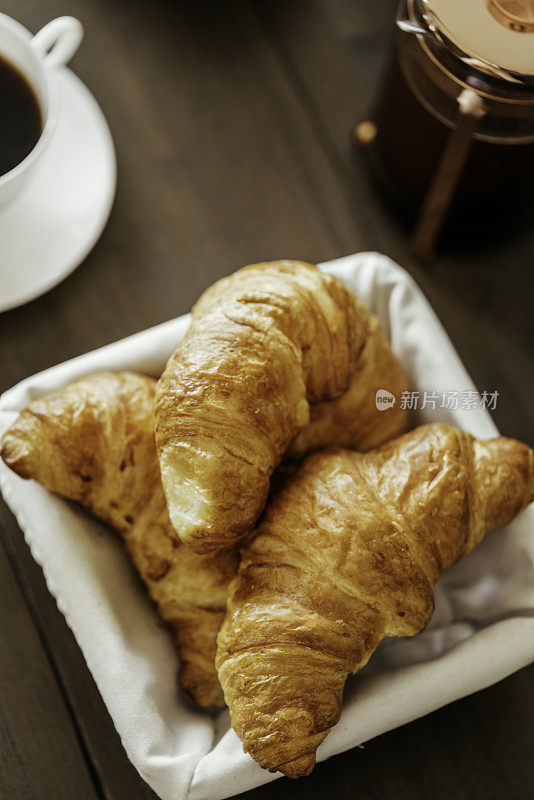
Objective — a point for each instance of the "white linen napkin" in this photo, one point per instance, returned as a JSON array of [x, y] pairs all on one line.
[[482, 629]]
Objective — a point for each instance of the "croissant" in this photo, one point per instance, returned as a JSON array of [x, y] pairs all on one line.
[[345, 555], [93, 442], [273, 348]]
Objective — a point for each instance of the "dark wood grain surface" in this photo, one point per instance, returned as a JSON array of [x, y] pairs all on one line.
[[232, 125]]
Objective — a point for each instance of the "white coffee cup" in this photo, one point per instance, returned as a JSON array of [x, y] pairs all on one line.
[[37, 58]]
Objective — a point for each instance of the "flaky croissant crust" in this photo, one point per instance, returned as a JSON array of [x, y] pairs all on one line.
[[93, 442], [346, 555], [271, 348]]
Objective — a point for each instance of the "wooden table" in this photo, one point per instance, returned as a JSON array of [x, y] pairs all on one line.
[[231, 122]]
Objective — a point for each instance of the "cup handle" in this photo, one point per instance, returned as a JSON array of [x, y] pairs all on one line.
[[57, 42]]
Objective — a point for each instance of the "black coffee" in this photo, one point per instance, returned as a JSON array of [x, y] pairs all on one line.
[[21, 124]]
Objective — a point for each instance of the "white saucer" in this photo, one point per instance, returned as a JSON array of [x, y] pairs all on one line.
[[48, 231]]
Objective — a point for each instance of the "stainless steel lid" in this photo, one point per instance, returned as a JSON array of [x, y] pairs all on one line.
[[499, 33]]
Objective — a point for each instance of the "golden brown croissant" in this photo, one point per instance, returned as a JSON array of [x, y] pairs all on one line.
[[347, 554], [93, 442], [270, 348]]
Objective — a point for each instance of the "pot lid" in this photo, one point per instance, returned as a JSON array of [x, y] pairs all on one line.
[[499, 32]]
